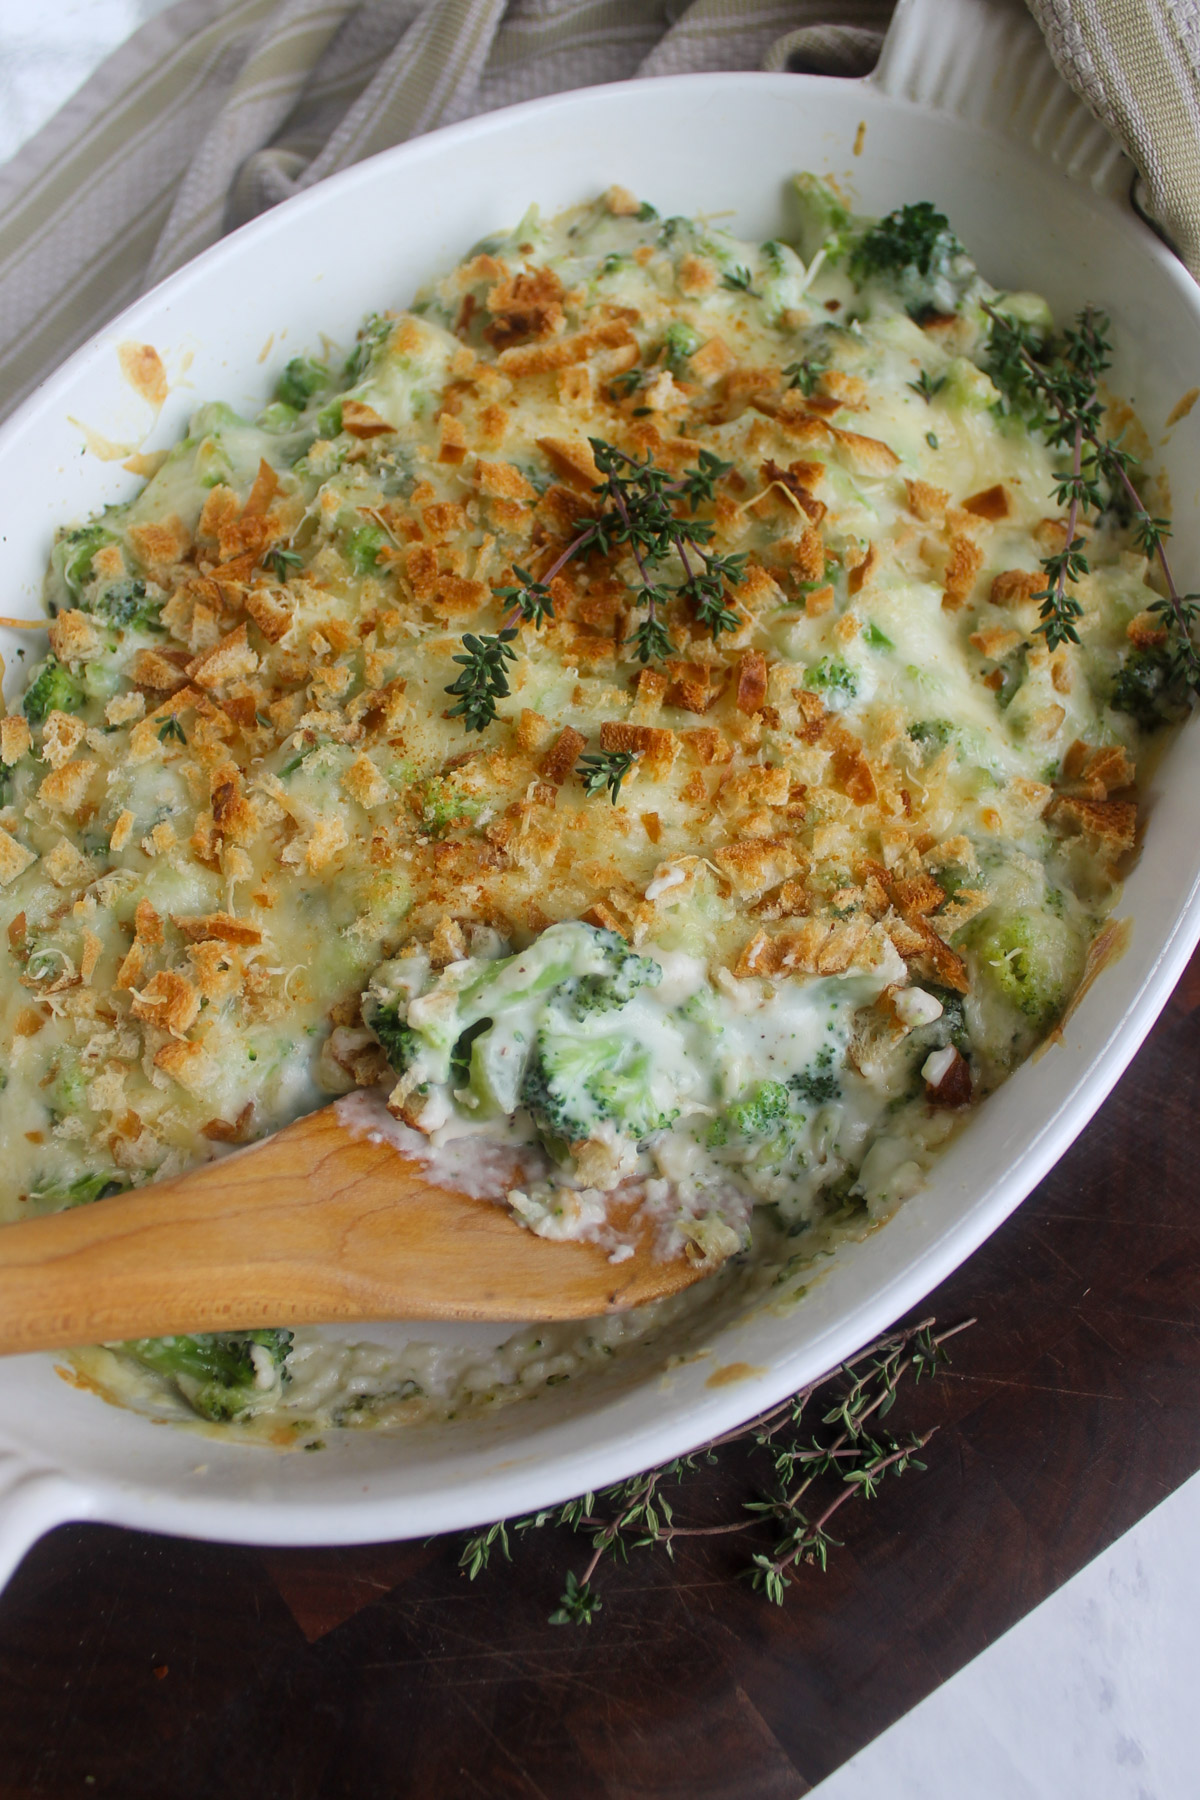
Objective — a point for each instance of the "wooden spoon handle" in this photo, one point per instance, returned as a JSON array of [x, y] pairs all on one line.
[[313, 1225]]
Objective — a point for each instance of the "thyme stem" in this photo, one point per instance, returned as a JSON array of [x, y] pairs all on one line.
[[639, 500], [816, 1533], [1072, 394], [643, 1516], [1174, 596]]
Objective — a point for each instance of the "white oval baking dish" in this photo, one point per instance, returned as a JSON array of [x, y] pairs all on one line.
[[965, 110]]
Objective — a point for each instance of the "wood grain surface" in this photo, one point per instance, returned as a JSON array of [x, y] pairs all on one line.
[[316, 1224], [140, 1668]]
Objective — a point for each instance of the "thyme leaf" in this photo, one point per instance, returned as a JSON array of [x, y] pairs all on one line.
[[926, 387], [531, 601], [650, 640], [621, 386], [804, 375], [739, 280], [653, 516], [814, 1473], [605, 769], [578, 1605], [917, 237], [1058, 389], [483, 680], [283, 561]]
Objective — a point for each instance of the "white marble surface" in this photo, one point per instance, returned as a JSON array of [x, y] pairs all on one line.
[[1093, 1695]]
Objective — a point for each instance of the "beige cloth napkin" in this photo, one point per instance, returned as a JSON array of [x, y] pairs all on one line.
[[218, 109]]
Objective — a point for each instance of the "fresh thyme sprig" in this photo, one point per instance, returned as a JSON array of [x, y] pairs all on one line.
[[740, 281], [847, 1453], [926, 386], [605, 769], [644, 498], [530, 601], [706, 591], [484, 679], [650, 641], [1060, 394], [640, 513], [284, 561], [628, 382], [804, 375]]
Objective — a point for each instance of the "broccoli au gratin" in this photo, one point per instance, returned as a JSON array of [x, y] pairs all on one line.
[[609, 711]]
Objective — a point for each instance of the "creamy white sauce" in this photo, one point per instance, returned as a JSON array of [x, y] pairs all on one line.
[[967, 767]]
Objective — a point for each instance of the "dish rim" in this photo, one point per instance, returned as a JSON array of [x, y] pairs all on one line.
[[62, 1495]]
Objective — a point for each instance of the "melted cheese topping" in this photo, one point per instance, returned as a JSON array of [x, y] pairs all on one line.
[[237, 789]]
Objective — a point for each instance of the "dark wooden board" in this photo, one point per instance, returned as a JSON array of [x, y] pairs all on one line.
[[141, 1668]]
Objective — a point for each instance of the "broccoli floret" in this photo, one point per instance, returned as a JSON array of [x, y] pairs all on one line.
[[401, 1044], [966, 385], [374, 332], [125, 603], [564, 993], [441, 805], [679, 346], [822, 218], [302, 378], [1033, 959], [53, 689], [577, 1079], [362, 547], [220, 1375], [1013, 671], [835, 678], [65, 1082], [841, 1196], [1004, 364], [1145, 689], [211, 463], [622, 1094], [951, 1027], [73, 553], [932, 734], [817, 1084], [914, 251], [554, 1119], [604, 993], [762, 1111], [278, 418], [460, 1056], [214, 415], [100, 1184]]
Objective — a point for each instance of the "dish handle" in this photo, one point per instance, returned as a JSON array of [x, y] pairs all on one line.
[[986, 61], [32, 1502]]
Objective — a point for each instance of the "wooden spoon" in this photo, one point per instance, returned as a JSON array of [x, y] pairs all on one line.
[[316, 1224]]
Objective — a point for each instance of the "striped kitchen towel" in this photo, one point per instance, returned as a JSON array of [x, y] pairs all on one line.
[[218, 109]]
